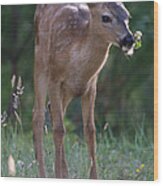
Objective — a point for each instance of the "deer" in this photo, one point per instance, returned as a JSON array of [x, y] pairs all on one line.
[[72, 43]]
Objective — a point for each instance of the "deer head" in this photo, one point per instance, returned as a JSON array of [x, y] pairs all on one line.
[[111, 21]]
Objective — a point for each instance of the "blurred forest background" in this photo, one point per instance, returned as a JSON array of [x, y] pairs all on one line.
[[125, 94]]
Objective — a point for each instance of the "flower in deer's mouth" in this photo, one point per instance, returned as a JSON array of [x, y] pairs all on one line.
[[138, 39]]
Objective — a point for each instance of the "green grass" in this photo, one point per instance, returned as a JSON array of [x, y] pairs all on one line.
[[117, 158]]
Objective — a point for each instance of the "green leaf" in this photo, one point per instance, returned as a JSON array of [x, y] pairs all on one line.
[[138, 39], [138, 44]]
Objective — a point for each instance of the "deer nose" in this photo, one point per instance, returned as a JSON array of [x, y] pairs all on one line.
[[128, 40]]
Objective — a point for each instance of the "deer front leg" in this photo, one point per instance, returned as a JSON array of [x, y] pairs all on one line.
[[38, 121], [88, 102], [58, 130]]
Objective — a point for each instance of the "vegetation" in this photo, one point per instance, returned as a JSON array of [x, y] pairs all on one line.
[[124, 106], [117, 158]]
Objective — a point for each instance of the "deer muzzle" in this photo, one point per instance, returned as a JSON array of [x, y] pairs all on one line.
[[127, 42]]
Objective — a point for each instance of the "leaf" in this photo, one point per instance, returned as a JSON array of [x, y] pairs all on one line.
[[138, 44], [138, 39]]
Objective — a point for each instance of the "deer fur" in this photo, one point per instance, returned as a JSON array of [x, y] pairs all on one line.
[[71, 47]]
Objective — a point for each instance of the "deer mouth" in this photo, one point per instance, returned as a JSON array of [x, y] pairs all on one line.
[[129, 51], [127, 44]]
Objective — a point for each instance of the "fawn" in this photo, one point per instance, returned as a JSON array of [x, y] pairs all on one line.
[[72, 43]]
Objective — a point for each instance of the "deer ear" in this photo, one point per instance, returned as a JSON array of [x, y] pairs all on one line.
[[92, 5]]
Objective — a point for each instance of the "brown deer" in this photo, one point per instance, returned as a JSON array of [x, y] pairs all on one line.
[[72, 43]]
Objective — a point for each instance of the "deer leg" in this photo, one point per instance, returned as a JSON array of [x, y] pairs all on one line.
[[58, 130], [88, 101], [38, 122], [65, 101]]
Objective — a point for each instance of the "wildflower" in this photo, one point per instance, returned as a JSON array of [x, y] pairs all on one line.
[[141, 166], [137, 170]]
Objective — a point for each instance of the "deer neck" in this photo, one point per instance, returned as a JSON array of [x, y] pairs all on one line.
[[96, 52], [99, 46]]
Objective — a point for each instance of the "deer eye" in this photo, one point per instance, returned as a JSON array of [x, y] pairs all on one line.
[[106, 19]]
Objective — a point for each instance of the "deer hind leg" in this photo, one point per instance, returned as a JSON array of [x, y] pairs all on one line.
[[38, 121], [66, 98], [57, 113], [88, 101]]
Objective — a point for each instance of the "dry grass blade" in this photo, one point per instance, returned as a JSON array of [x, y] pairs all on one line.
[[18, 118], [13, 81], [19, 84], [3, 117], [106, 126], [11, 166]]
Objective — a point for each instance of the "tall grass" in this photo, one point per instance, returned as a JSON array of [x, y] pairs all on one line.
[[127, 156], [117, 157]]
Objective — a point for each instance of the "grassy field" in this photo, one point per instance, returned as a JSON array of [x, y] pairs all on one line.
[[125, 153], [117, 158]]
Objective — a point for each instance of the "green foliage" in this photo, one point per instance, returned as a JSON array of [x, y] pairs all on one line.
[[116, 158], [138, 40]]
